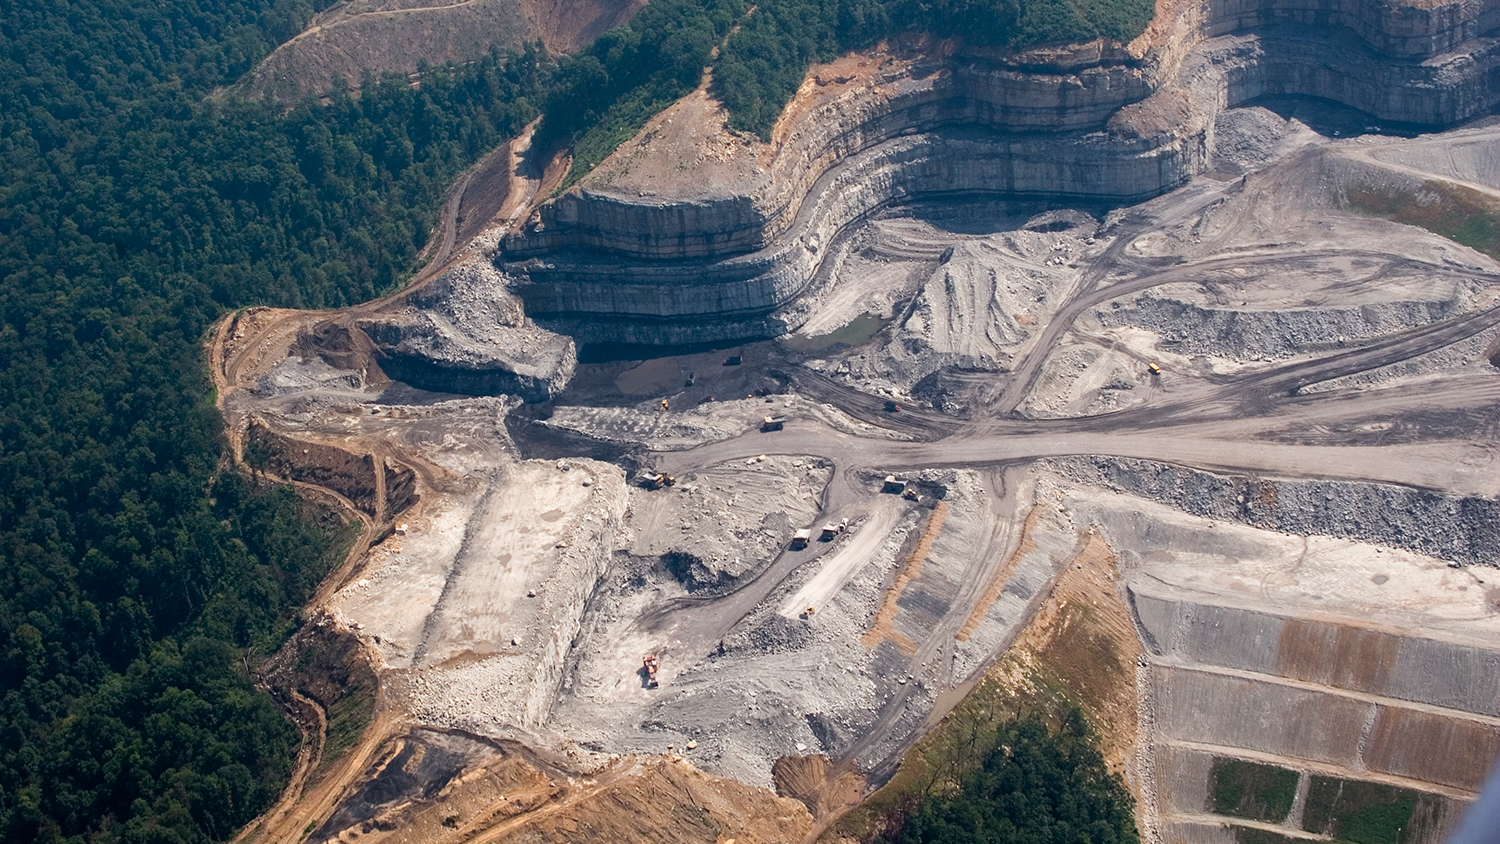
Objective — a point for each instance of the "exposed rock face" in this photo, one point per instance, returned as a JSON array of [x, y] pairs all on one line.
[[647, 302], [1409, 29], [464, 334], [1274, 334], [859, 118], [1438, 524], [1439, 91], [658, 247], [425, 352]]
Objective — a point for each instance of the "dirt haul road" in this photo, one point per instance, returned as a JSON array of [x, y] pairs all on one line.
[[1368, 379]]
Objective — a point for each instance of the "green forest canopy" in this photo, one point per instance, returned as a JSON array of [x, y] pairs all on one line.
[[136, 207], [1023, 783]]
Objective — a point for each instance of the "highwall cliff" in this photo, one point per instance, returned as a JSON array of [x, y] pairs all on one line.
[[690, 233]]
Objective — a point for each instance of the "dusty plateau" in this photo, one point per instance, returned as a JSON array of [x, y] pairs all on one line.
[[1122, 317]]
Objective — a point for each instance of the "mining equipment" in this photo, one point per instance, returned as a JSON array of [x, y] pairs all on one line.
[[664, 404], [655, 480], [773, 423], [1155, 370], [833, 529], [801, 538], [650, 662], [892, 407], [895, 485], [733, 360]]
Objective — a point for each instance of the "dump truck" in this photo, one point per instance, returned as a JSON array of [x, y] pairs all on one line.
[[773, 423], [655, 480], [895, 485], [1155, 370], [833, 529], [892, 407], [801, 538], [649, 661]]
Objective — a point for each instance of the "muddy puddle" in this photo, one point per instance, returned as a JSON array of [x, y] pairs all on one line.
[[857, 332]]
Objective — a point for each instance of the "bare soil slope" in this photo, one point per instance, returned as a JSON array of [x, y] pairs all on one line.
[[394, 35], [443, 788]]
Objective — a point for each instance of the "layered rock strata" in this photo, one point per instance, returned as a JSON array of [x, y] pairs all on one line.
[[462, 334], [688, 234], [713, 220], [699, 301], [426, 351], [1408, 29]]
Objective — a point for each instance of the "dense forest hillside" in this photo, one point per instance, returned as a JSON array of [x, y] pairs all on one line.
[[137, 578], [140, 576], [1021, 781]]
